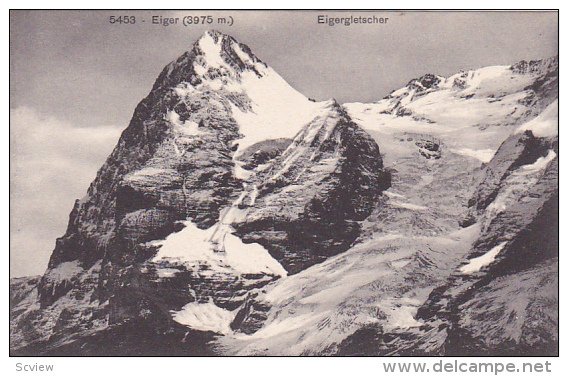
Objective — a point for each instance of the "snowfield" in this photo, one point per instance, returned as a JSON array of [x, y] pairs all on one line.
[[192, 246], [322, 305], [277, 110]]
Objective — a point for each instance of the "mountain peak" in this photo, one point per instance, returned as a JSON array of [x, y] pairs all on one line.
[[213, 56], [221, 50], [216, 38], [216, 35]]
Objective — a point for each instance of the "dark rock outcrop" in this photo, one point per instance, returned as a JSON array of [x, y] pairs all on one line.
[[263, 152], [428, 81], [311, 198]]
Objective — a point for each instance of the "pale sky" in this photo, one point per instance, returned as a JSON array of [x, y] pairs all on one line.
[[75, 80]]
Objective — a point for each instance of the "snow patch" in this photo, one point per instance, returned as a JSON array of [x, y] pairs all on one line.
[[393, 195], [398, 264], [475, 264], [253, 195], [250, 258], [167, 272], [539, 164], [185, 128], [287, 324], [240, 172], [193, 245], [211, 51], [401, 312], [205, 316], [184, 89], [405, 205]]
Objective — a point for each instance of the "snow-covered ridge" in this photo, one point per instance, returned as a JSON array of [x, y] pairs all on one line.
[[471, 112]]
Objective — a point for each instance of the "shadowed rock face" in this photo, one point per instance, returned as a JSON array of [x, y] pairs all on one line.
[[516, 151], [154, 177], [313, 196], [263, 152]]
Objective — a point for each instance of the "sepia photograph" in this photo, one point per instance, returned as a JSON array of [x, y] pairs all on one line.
[[243, 183]]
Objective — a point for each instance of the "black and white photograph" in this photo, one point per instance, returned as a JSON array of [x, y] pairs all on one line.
[[284, 183]]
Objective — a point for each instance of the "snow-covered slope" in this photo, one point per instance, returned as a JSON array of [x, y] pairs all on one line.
[[470, 112], [382, 281]]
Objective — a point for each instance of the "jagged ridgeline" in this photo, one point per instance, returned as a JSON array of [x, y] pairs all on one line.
[[237, 216]]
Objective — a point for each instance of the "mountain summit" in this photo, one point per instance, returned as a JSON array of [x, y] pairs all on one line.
[[214, 57], [258, 98]]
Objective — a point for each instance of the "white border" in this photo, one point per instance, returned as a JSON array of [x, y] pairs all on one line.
[[245, 366]]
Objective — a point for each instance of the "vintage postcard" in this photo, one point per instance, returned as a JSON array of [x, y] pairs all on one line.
[[284, 183]]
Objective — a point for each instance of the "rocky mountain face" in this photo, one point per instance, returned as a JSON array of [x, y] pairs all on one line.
[[309, 201], [154, 239], [235, 216]]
